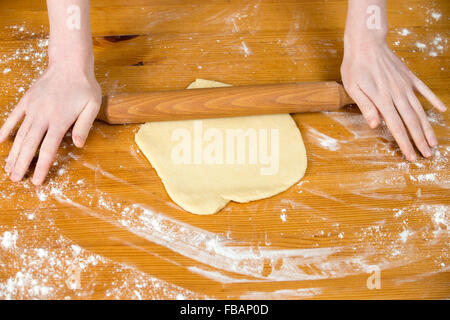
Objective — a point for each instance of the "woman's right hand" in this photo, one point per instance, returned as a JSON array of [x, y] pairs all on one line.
[[64, 95]]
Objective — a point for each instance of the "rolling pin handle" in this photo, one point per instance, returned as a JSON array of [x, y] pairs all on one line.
[[103, 112], [344, 98]]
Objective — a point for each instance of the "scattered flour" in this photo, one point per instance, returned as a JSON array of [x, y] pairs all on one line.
[[404, 32], [436, 15], [324, 141], [245, 49], [421, 45], [426, 177], [42, 196], [37, 266], [404, 235], [64, 269], [9, 239]]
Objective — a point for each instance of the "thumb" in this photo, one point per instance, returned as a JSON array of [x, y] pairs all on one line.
[[84, 122]]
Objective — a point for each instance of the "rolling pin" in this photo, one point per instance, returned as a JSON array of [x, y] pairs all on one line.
[[223, 102]]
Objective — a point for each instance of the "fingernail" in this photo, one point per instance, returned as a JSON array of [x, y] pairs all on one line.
[[36, 181], [434, 142], [427, 153], [15, 177], [412, 157], [79, 142]]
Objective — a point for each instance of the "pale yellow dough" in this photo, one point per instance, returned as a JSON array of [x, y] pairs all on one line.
[[205, 188]]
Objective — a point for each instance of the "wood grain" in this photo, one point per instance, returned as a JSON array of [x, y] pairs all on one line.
[[360, 202], [223, 102]]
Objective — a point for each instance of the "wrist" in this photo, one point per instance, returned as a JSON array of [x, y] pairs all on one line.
[[366, 23], [71, 58], [363, 39]]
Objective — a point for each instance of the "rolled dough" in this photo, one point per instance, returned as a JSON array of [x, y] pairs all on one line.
[[203, 166]]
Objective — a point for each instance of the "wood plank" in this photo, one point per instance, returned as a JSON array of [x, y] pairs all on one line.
[[103, 214]]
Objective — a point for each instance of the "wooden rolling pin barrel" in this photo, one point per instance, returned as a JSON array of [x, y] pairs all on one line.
[[223, 102]]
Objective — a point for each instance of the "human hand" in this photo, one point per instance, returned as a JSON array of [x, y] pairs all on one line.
[[62, 96], [383, 87]]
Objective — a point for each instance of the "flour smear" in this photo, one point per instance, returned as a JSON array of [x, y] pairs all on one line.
[[39, 259]]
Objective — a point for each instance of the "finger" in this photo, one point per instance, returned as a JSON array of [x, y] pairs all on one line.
[[396, 127], [15, 116], [27, 151], [412, 122], [83, 124], [392, 117], [424, 122], [20, 136], [428, 94], [47, 153], [366, 106]]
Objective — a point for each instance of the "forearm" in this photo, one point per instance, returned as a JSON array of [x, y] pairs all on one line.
[[70, 33], [366, 22]]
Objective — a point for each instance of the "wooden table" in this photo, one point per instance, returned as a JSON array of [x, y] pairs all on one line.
[[103, 226]]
